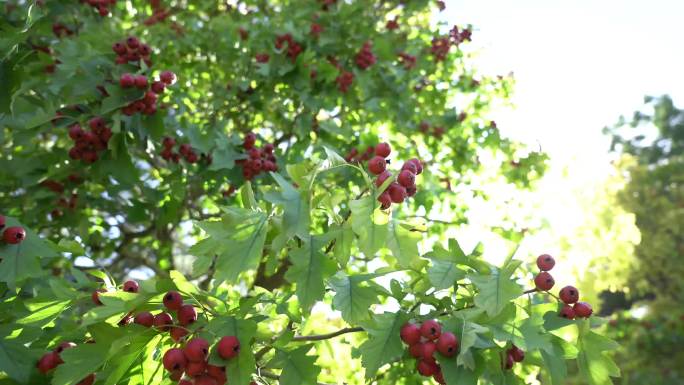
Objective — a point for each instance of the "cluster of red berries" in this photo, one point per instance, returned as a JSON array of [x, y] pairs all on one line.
[[365, 58], [132, 50], [408, 61], [102, 6], [569, 295], [405, 184], [191, 360], [159, 13], [440, 48], [148, 103], [88, 144], [293, 48], [262, 57], [58, 188], [315, 30], [60, 30], [51, 360], [426, 339], [513, 354], [184, 150], [12, 235], [459, 36], [435, 131], [392, 24], [344, 80], [259, 160]]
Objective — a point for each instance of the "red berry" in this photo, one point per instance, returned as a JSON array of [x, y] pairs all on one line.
[[96, 124], [407, 178], [268, 148], [439, 377], [141, 81], [385, 200], [131, 286], [127, 319], [377, 165], [144, 50], [545, 262], [89, 380], [582, 309], [205, 380], [176, 375], [428, 353], [416, 350], [419, 166], [567, 312], [249, 141], [14, 235], [150, 98], [173, 300], [177, 333], [119, 48], [569, 294], [194, 369], [48, 362], [382, 178], [411, 191], [96, 296], [427, 369], [410, 334], [158, 87], [127, 80], [218, 373], [516, 353], [383, 149], [163, 321], [197, 349], [132, 42], [447, 344], [431, 329], [64, 346], [396, 192], [168, 142], [544, 281], [2, 222], [186, 315], [410, 166], [144, 318], [228, 347], [167, 77], [174, 359]]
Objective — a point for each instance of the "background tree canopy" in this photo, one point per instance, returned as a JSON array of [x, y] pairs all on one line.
[[222, 150]]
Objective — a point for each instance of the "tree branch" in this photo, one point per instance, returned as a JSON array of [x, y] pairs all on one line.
[[320, 337]]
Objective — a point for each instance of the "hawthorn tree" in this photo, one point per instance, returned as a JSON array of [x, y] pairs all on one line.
[[256, 160]]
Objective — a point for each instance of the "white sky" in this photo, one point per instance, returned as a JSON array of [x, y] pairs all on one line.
[[578, 65]]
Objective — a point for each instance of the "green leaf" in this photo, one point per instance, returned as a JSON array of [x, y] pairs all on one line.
[[444, 271], [534, 335], [240, 368], [42, 312], [403, 244], [15, 361], [224, 156], [555, 362], [455, 374], [295, 206], [237, 240], [310, 266], [343, 242], [369, 224], [129, 355], [79, 362], [351, 298], [470, 334], [298, 367], [594, 364], [497, 289], [383, 344], [70, 246], [182, 284]]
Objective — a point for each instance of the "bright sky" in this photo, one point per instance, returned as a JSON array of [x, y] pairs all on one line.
[[578, 66]]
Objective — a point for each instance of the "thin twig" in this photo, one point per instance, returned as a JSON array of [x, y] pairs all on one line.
[[320, 337]]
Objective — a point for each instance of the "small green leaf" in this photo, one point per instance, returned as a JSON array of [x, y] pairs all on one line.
[[369, 224], [595, 365], [298, 367], [42, 312], [383, 344], [310, 266], [295, 206], [351, 298], [403, 244], [497, 289], [79, 362]]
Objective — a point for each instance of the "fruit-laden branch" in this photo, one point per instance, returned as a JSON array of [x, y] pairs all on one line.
[[320, 337]]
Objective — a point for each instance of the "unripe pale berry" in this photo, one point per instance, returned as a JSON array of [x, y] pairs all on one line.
[[144, 318], [173, 300], [544, 281], [228, 347], [131, 286], [383, 150], [582, 309], [567, 312], [406, 178], [163, 321], [545, 262], [431, 329], [377, 165], [174, 359], [197, 349], [447, 344], [569, 294], [410, 334], [14, 235], [186, 315]]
